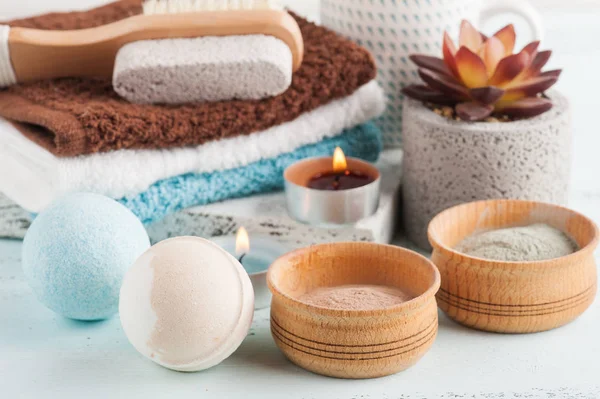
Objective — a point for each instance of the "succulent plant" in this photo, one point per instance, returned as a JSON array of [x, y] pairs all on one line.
[[484, 77]]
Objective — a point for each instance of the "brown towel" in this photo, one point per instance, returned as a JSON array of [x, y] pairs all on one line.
[[82, 116]]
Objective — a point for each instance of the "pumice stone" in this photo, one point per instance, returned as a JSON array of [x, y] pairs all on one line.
[[186, 304]]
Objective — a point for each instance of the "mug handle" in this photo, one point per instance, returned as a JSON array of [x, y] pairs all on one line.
[[520, 7]]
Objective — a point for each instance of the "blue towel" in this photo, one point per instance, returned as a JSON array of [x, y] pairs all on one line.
[[171, 195]]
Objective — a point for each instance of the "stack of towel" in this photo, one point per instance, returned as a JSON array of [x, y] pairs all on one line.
[[77, 135]]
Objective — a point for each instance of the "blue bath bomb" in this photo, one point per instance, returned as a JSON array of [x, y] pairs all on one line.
[[76, 253]]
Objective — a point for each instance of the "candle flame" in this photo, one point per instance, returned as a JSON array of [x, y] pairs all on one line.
[[242, 242], [339, 160]]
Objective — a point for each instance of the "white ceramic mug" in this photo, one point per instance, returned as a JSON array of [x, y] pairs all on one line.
[[394, 29]]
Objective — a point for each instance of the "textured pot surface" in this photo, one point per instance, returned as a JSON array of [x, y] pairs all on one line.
[[513, 297], [451, 162]]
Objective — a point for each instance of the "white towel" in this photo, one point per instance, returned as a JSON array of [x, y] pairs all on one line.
[[33, 177], [7, 73]]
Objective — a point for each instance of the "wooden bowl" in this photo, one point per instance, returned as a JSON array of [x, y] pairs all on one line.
[[353, 343], [513, 297]]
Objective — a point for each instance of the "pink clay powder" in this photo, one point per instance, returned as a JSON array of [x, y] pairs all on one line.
[[356, 297]]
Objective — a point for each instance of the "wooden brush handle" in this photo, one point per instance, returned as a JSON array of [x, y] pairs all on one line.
[[42, 54]]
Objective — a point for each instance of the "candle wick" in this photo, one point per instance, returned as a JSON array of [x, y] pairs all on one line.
[[241, 257], [336, 182]]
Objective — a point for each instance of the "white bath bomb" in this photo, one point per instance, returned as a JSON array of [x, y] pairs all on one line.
[[186, 304]]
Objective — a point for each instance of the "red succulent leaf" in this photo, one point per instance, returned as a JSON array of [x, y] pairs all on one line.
[[473, 111], [432, 63], [443, 84], [539, 61], [491, 53], [554, 72], [426, 94], [486, 95], [471, 68], [509, 68], [526, 107], [531, 87], [532, 48], [449, 50], [508, 37], [470, 37]]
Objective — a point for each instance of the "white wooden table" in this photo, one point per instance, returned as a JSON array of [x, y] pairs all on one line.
[[43, 355]]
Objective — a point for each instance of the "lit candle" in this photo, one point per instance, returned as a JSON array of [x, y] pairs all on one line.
[[255, 255], [253, 261], [340, 178], [331, 191]]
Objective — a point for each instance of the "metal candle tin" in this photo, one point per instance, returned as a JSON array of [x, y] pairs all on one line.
[[312, 206]]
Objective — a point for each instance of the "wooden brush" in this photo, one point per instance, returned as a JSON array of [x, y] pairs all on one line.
[[32, 54]]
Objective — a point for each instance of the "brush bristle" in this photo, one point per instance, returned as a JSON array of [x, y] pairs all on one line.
[[184, 6]]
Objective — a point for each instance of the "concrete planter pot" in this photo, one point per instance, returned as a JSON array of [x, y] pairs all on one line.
[[450, 162]]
